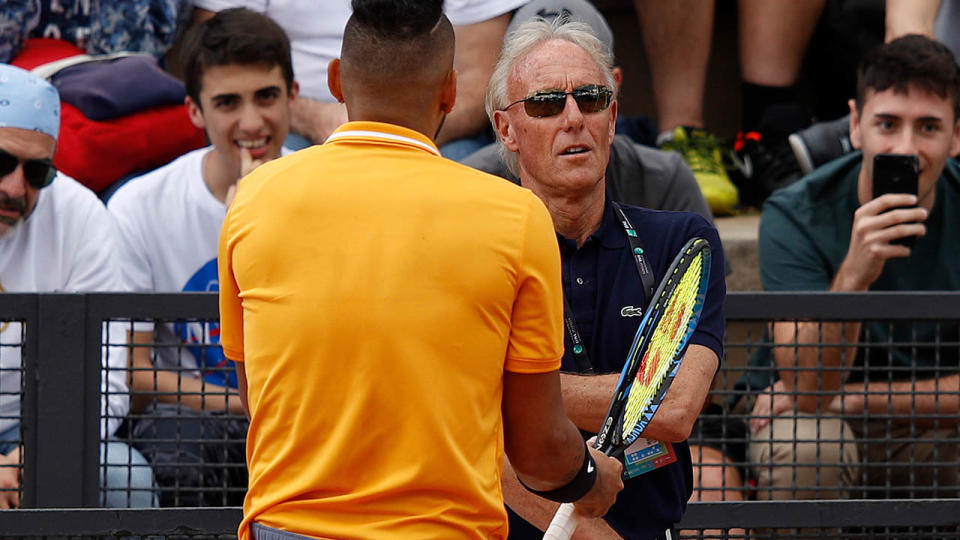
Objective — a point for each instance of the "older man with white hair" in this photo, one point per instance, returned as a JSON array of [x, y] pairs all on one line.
[[553, 104], [55, 235]]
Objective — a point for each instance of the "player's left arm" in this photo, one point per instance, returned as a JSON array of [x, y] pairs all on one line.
[[478, 47]]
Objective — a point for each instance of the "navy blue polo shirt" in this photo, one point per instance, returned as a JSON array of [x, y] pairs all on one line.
[[606, 295]]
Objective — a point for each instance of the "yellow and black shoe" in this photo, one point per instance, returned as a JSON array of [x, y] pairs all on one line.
[[702, 153]]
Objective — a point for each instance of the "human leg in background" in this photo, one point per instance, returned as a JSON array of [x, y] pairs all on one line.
[[804, 457], [717, 451], [677, 36], [126, 476], [773, 39]]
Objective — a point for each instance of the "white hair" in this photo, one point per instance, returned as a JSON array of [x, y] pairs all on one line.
[[523, 40]]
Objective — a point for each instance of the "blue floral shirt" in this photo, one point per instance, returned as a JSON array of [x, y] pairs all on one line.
[[96, 26]]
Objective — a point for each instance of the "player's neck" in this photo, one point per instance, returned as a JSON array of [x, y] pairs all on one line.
[[218, 174]]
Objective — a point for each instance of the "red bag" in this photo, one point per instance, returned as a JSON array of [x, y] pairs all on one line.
[[100, 153]]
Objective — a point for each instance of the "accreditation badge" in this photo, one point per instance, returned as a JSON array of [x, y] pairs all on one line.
[[645, 455]]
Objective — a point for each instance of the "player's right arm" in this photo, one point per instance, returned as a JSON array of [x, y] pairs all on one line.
[[545, 447], [538, 511]]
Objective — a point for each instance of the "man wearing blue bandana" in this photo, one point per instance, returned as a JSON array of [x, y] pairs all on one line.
[[55, 235]]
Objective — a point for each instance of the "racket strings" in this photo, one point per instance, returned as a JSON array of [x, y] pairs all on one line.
[[665, 341]]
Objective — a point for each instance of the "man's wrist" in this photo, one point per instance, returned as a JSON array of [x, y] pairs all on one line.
[[575, 489]]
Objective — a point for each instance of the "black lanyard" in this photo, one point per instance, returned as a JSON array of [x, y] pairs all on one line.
[[579, 351]]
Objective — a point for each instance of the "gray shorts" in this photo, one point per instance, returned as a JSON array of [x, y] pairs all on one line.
[[262, 532]]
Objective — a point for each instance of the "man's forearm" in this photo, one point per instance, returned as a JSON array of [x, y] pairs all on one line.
[[809, 367], [478, 47], [586, 398], [539, 511], [316, 120], [910, 17], [925, 401], [168, 386]]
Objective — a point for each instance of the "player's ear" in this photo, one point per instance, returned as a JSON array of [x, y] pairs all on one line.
[[855, 139], [194, 112], [334, 82], [448, 95], [504, 129]]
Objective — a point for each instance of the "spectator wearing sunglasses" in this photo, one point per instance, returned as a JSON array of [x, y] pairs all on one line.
[[551, 101], [637, 175], [659, 180], [55, 235]]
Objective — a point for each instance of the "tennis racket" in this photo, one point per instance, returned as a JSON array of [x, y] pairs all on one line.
[[652, 363]]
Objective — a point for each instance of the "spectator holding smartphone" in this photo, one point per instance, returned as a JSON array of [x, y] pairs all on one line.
[[829, 232]]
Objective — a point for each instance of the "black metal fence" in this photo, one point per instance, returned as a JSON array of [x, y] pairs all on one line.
[[887, 471]]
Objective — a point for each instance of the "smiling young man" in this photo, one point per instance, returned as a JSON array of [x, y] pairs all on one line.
[[552, 103], [829, 233], [240, 88]]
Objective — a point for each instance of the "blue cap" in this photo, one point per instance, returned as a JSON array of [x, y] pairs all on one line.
[[28, 102]]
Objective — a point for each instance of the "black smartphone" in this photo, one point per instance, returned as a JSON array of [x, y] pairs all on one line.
[[896, 173]]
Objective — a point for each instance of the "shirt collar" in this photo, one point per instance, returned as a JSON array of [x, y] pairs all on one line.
[[382, 132]]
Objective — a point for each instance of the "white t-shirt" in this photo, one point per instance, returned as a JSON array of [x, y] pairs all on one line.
[[315, 30], [67, 244], [169, 224]]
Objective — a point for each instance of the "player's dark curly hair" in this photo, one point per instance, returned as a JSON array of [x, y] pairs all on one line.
[[910, 61], [397, 19], [234, 36], [400, 46]]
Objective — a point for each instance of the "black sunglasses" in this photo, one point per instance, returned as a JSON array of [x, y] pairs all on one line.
[[38, 172], [590, 98]]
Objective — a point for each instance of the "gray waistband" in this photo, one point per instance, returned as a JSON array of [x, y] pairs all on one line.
[[262, 532]]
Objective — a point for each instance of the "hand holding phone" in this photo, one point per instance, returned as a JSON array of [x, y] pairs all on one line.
[[896, 173]]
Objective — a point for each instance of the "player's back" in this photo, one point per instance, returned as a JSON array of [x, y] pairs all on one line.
[[379, 284]]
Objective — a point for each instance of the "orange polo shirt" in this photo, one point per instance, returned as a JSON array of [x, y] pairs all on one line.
[[375, 293]]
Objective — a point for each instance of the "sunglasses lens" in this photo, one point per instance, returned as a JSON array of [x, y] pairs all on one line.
[[541, 105], [8, 162], [592, 99], [39, 174]]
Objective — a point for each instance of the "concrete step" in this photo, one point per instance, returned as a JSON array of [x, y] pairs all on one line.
[[739, 237]]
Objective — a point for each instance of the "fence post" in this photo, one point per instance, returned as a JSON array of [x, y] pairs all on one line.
[[67, 406]]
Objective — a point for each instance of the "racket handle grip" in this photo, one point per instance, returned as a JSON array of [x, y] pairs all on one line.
[[564, 523]]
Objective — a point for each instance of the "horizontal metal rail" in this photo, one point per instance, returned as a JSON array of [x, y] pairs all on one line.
[[700, 515]]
